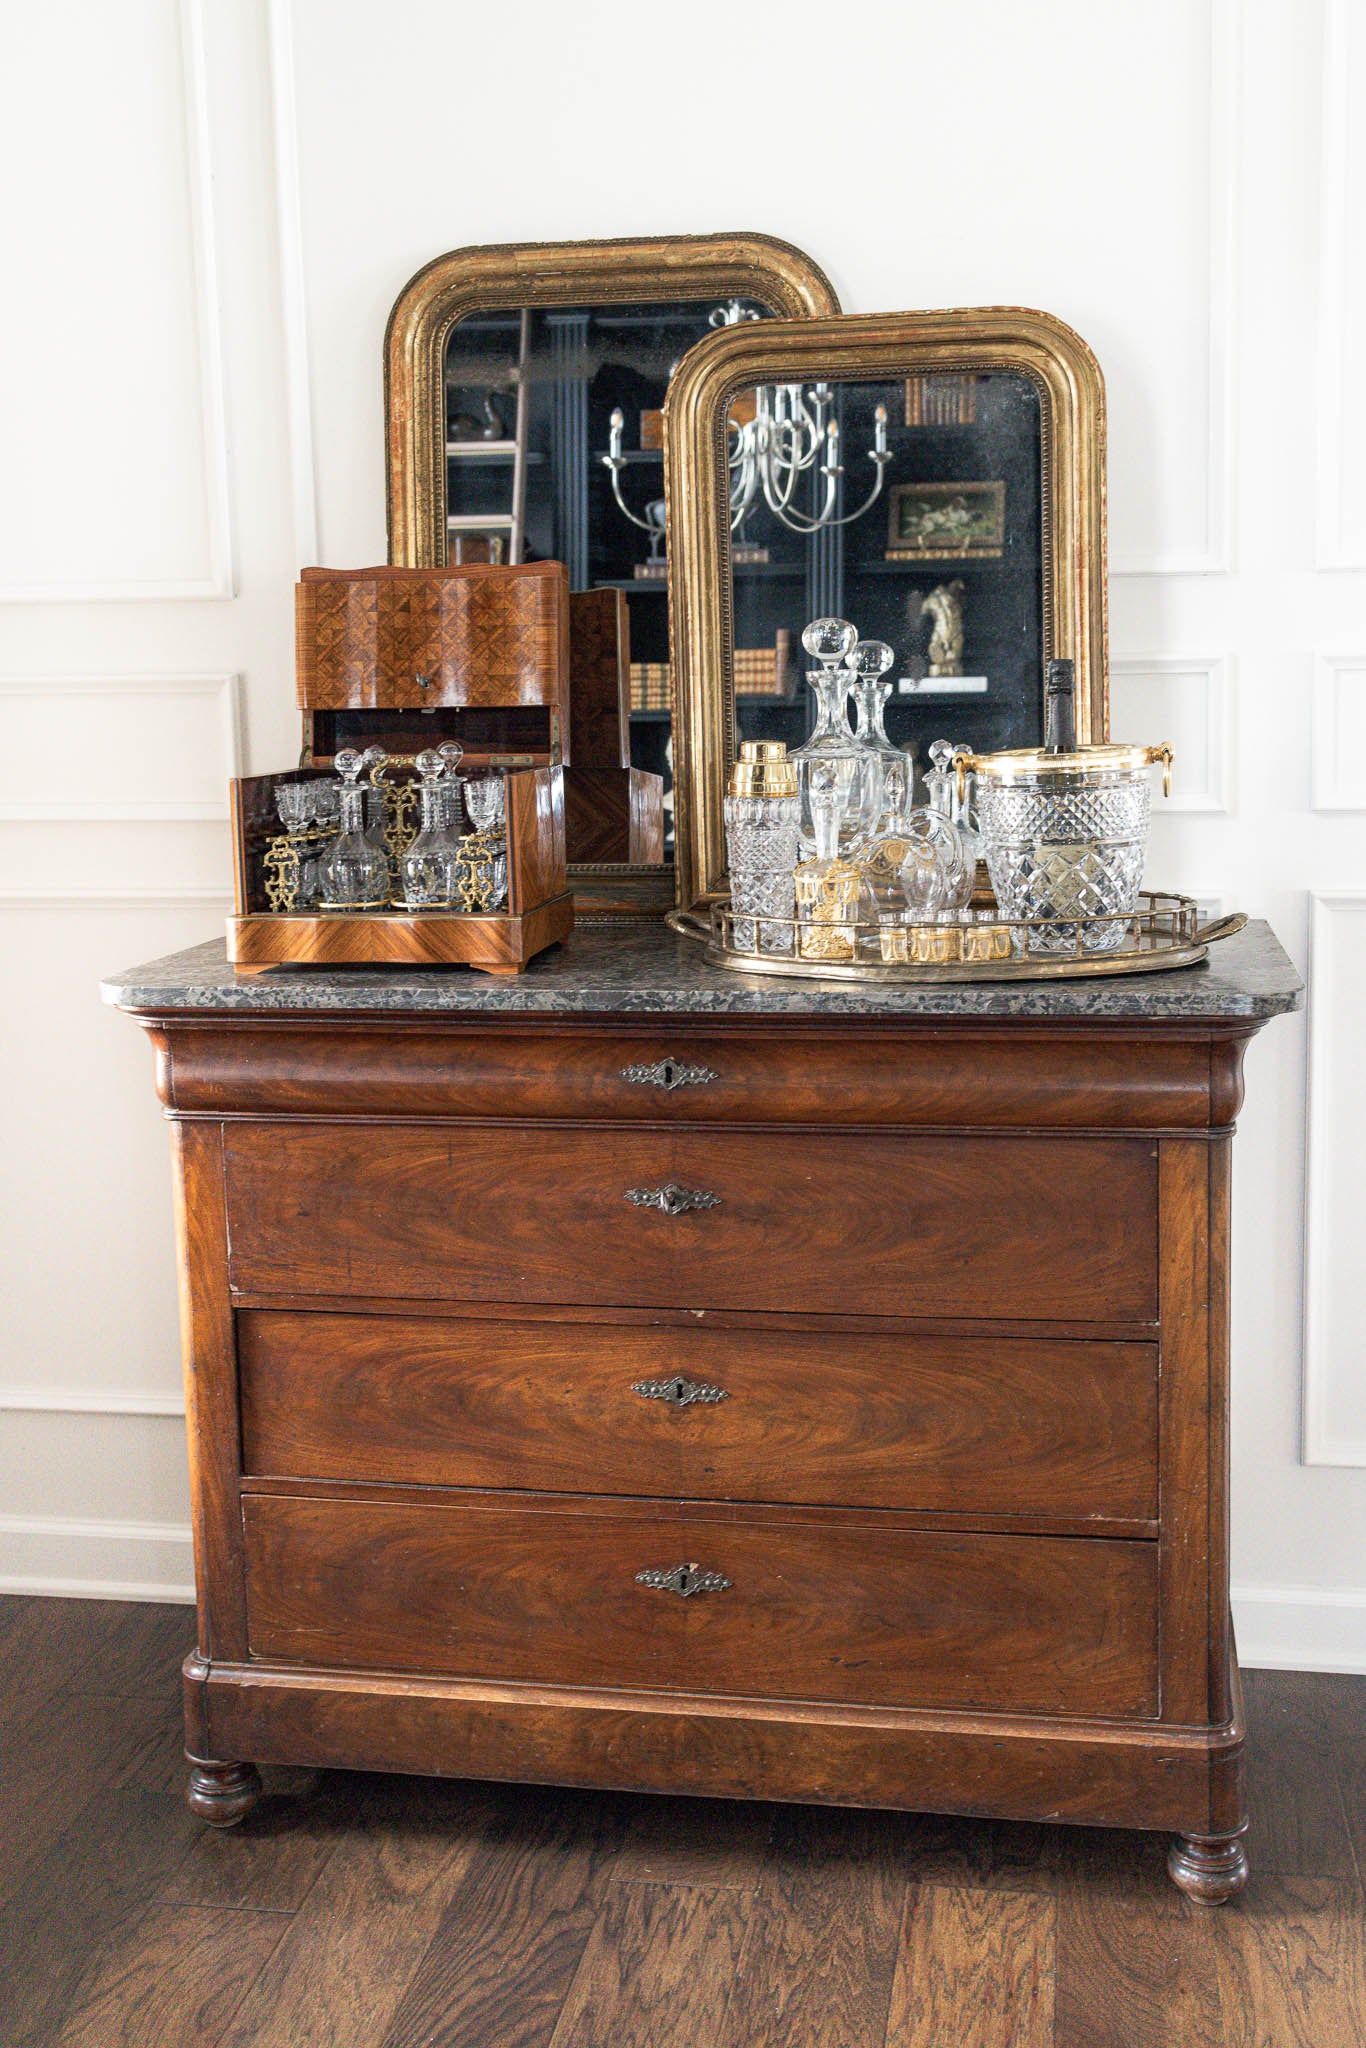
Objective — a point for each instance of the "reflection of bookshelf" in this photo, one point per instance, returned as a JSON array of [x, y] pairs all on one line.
[[487, 451]]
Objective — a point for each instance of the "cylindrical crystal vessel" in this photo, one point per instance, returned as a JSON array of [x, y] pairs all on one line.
[[1065, 836], [827, 887], [762, 813], [482, 872], [857, 768]]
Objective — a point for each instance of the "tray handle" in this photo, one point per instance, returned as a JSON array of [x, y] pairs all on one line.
[[690, 923], [1222, 928]]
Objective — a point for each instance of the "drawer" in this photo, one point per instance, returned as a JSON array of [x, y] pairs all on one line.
[[847, 1612], [693, 1076], [961, 1425], [847, 1223]]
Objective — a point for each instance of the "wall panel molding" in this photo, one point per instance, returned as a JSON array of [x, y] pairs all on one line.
[[1335, 1184], [1338, 733], [1338, 543], [1208, 786], [1216, 556], [219, 580], [293, 282], [117, 785], [67, 898]]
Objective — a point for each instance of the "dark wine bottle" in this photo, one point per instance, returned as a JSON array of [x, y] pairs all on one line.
[[1059, 708]]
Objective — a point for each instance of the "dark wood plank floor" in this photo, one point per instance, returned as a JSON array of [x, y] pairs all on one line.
[[370, 1912]]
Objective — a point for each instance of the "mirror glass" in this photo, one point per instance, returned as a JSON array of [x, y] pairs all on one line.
[[913, 508], [554, 452]]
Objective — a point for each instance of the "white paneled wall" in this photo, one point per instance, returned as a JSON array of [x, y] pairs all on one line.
[[231, 196]]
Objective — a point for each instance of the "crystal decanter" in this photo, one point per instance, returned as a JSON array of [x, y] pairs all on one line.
[[870, 688], [353, 874], [429, 866], [856, 767], [827, 887], [762, 810]]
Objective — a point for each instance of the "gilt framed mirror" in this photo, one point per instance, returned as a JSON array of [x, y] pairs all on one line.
[[937, 478], [524, 387]]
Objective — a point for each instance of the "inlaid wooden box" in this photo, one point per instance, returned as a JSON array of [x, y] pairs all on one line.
[[405, 659]]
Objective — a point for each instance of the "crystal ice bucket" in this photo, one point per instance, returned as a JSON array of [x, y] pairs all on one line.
[[1065, 838]]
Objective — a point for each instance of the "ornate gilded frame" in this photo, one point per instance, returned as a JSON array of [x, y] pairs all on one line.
[[547, 274], [741, 265], [879, 345]]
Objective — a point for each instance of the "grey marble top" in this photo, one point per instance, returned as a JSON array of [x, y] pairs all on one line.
[[613, 970]]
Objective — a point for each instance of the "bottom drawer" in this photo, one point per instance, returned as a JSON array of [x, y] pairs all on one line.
[[845, 1611]]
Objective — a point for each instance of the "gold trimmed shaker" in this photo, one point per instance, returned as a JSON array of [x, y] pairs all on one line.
[[763, 817]]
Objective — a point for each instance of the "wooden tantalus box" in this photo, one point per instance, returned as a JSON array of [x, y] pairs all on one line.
[[405, 659], [430, 640], [614, 813]]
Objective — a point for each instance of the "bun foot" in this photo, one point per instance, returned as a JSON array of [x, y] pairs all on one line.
[[222, 1794], [1209, 1868]]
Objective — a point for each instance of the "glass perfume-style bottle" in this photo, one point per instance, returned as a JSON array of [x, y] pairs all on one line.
[[870, 688], [936, 877], [951, 802], [353, 874], [762, 813], [827, 887], [429, 866], [858, 770]]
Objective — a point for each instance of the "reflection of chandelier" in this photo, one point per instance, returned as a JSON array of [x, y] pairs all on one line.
[[792, 433]]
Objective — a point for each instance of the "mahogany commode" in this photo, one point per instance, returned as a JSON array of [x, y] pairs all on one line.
[[641, 1376]]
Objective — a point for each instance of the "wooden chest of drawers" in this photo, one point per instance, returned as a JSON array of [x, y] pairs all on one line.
[[823, 1410]]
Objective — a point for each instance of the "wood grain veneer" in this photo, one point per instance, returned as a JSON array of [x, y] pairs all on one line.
[[969, 1482], [857, 1613], [1035, 1226], [961, 1425], [387, 638], [1027, 1079]]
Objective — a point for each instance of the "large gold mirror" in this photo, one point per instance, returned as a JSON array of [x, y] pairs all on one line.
[[524, 388], [937, 478]]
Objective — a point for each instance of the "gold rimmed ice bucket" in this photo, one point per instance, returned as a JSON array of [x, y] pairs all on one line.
[[1065, 838]]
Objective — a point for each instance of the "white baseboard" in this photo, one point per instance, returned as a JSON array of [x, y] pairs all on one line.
[[96, 1560], [1301, 1628]]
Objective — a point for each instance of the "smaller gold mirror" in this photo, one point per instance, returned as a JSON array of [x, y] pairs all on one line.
[[936, 478]]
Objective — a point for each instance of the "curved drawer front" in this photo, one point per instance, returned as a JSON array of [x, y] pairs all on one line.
[[960, 1425], [849, 1613], [1061, 1228], [692, 1076]]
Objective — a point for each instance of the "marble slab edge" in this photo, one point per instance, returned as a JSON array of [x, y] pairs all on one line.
[[603, 973]]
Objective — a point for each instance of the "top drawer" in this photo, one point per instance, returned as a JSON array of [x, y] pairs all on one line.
[[690, 1075], [841, 1223]]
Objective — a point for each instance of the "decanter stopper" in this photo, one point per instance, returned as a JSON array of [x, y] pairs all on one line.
[[940, 780], [430, 766], [830, 641], [348, 764], [869, 659], [452, 753]]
